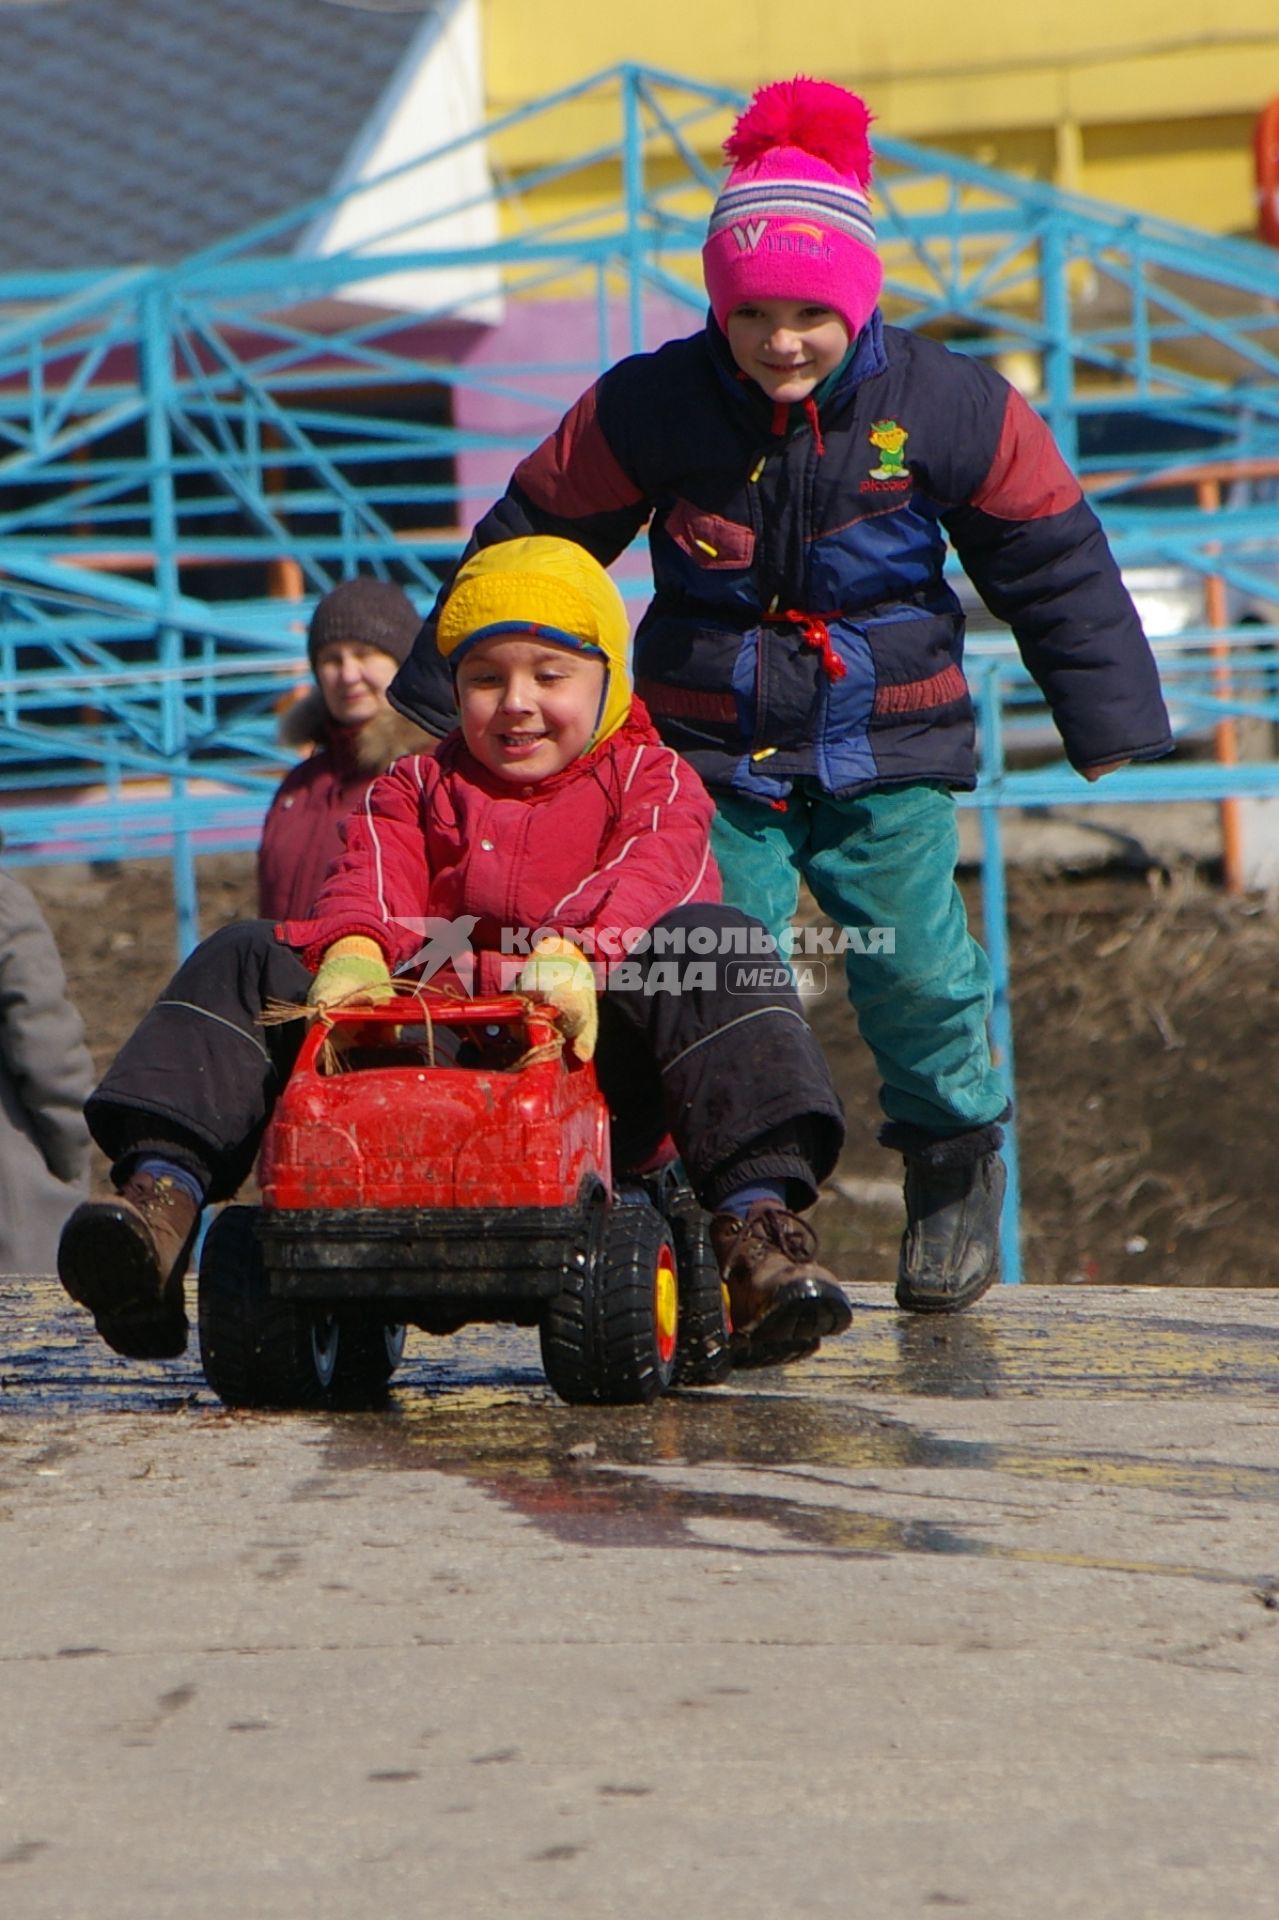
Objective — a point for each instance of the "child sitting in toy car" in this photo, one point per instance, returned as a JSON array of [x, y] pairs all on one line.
[[551, 823]]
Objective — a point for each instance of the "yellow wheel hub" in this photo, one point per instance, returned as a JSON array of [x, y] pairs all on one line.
[[665, 1304]]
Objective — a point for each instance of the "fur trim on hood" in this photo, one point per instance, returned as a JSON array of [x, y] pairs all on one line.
[[387, 737]]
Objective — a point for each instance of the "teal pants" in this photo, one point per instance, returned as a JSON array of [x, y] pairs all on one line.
[[881, 866]]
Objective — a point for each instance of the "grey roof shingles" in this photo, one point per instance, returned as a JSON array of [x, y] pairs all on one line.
[[137, 131]]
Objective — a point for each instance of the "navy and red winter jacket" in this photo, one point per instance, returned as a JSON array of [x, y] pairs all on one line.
[[801, 624]]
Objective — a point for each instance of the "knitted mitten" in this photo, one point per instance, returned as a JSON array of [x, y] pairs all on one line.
[[559, 972], [352, 972]]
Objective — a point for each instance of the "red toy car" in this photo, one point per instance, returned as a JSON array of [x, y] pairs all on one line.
[[434, 1162]]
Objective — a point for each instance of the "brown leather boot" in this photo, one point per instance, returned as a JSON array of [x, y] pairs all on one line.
[[125, 1260], [782, 1302]]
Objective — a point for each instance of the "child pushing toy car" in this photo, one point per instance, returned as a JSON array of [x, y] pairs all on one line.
[[552, 837], [800, 467]]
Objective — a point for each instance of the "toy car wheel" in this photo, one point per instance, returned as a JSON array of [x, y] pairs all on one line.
[[368, 1353], [258, 1351], [703, 1355], [610, 1338]]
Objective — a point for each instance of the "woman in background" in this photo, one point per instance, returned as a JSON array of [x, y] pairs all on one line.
[[358, 636]]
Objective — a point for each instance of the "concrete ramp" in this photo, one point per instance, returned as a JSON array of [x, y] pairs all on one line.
[[978, 1615]]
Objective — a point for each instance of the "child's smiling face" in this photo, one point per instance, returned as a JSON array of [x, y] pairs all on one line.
[[787, 346], [527, 707]]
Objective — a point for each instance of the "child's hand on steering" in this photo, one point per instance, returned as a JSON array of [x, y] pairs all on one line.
[[560, 973], [353, 973]]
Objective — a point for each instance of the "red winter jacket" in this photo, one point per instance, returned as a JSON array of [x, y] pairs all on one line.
[[598, 852]]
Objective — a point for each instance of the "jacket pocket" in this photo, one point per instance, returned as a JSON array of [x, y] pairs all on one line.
[[917, 668], [709, 539]]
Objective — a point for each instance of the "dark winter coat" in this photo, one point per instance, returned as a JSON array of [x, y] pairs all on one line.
[[599, 851], [801, 624], [46, 1075], [301, 834]]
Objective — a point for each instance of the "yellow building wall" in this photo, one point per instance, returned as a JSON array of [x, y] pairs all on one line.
[[1150, 103]]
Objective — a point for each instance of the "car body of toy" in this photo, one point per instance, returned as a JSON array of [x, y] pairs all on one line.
[[439, 1161]]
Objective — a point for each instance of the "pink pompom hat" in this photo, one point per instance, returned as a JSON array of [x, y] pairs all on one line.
[[793, 221]]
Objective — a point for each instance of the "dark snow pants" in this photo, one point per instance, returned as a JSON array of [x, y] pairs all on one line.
[[697, 1039]]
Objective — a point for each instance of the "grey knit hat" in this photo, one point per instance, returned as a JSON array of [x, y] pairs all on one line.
[[365, 611]]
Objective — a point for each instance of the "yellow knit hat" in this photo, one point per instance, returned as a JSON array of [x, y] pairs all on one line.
[[551, 590]]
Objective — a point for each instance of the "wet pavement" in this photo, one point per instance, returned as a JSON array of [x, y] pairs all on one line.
[[979, 1614]]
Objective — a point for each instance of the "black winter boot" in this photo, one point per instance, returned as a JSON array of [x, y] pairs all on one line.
[[126, 1259], [954, 1203]]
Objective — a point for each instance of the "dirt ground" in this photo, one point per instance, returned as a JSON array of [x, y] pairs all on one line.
[[1146, 1011]]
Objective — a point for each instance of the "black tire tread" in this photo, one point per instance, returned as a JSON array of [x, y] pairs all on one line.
[[256, 1351], [599, 1345], [703, 1355], [364, 1364]]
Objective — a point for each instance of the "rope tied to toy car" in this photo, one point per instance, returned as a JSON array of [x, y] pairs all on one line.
[[331, 1054]]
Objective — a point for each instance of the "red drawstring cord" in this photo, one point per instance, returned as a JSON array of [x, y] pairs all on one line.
[[814, 633], [781, 420]]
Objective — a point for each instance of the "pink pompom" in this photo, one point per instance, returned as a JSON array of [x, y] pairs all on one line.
[[815, 115]]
